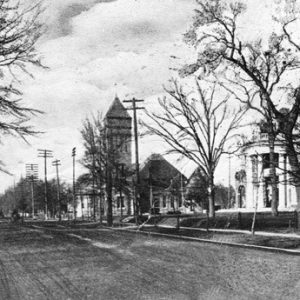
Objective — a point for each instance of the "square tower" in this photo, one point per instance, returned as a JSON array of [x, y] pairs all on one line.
[[118, 134]]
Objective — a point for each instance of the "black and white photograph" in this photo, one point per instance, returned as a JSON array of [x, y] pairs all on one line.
[[150, 149]]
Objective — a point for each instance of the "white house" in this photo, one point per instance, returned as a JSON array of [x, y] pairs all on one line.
[[253, 181]]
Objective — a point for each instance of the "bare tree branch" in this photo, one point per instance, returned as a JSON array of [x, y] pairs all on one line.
[[196, 127]]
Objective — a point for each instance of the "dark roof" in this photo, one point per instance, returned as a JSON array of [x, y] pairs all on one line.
[[159, 169], [197, 176], [117, 110]]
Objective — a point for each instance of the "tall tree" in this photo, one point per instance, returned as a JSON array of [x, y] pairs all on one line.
[[94, 158], [255, 70], [198, 127]]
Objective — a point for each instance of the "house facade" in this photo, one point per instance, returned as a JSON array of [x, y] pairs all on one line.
[[253, 180], [162, 186]]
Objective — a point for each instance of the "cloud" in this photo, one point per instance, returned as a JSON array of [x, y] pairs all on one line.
[[94, 50], [59, 14]]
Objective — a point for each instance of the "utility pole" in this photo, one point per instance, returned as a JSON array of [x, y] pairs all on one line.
[[152, 209], [108, 171], [74, 196], [182, 191], [45, 154], [56, 163], [93, 186], [100, 183], [32, 176], [137, 167]]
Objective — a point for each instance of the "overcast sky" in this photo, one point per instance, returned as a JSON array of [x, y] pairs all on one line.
[[96, 49]]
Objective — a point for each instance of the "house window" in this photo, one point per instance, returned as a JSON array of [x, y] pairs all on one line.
[[254, 162], [120, 202], [172, 202], [125, 145], [266, 160], [179, 201], [164, 201], [156, 202]]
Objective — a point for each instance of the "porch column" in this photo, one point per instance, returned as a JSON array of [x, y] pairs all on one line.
[[282, 184], [261, 184], [249, 183]]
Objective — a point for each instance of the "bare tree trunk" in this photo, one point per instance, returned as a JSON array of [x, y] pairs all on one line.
[[109, 197], [287, 124], [273, 173], [211, 200], [109, 183]]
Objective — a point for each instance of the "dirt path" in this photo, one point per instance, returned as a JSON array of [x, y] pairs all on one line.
[[104, 264]]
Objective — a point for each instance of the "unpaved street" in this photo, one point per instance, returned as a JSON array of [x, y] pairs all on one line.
[[60, 263]]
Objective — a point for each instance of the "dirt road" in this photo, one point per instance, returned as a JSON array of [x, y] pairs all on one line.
[[104, 264]]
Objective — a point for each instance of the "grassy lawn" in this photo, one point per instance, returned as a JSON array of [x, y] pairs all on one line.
[[239, 238], [91, 263]]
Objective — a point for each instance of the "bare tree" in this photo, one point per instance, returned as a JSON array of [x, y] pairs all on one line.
[[104, 163], [198, 129], [258, 68], [95, 157], [20, 30]]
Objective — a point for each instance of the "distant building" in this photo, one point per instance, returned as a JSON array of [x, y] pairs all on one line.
[[253, 181]]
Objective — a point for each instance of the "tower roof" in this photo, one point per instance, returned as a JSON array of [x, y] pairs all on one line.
[[117, 110]]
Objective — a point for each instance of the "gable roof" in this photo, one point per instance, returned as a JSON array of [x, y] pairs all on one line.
[[117, 110], [158, 167]]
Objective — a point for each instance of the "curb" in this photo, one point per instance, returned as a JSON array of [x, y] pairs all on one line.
[[246, 246]]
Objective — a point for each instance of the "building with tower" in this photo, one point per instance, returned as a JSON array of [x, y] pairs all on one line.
[[115, 153], [117, 134]]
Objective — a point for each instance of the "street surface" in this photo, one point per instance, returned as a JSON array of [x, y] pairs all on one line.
[[59, 263]]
